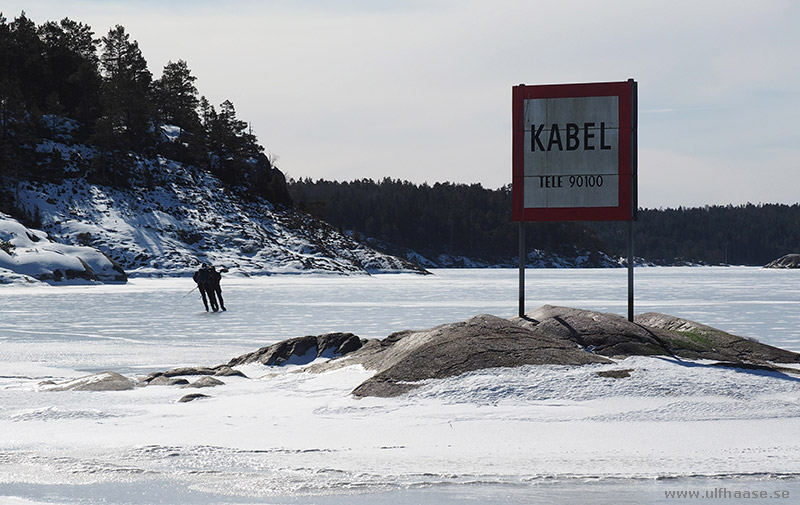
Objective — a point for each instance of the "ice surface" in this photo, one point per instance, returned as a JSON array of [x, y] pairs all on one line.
[[544, 434]]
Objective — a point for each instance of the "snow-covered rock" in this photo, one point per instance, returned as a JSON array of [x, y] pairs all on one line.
[[787, 261], [104, 381], [175, 217], [28, 255]]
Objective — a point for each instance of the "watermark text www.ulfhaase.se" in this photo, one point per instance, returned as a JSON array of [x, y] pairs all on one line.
[[721, 493]]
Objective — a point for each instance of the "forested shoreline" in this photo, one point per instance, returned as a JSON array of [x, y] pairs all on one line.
[[62, 87], [473, 221]]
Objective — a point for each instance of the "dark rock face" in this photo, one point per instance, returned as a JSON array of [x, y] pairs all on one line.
[[301, 350], [788, 261]]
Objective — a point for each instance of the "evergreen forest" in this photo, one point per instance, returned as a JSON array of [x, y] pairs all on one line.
[[472, 221], [61, 83]]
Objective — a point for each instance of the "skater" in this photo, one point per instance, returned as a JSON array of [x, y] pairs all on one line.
[[215, 288], [203, 279]]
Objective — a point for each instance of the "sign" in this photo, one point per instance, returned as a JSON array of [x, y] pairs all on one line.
[[574, 152]]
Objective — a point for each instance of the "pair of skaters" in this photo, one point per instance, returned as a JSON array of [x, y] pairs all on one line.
[[207, 279]]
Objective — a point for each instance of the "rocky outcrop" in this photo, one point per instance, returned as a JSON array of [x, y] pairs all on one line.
[[689, 339], [788, 261], [302, 350], [650, 334], [596, 332], [549, 335], [104, 381], [403, 360], [175, 376]]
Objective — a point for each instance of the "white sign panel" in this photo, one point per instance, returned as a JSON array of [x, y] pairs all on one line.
[[571, 152], [574, 152]]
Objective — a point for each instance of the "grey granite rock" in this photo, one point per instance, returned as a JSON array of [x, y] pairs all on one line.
[[403, 360], [205, 382], [301, 350], [163, 380], [192, 397], [104, 381], [694, 340], [596, 332]]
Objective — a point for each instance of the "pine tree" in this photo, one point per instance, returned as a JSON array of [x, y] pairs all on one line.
[[175, 96], [126, 87], [70, 51]]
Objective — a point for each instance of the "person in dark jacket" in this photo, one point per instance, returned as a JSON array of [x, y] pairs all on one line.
[[215, 288], [203, 279]]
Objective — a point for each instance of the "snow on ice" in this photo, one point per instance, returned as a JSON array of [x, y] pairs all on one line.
[[532, 434]]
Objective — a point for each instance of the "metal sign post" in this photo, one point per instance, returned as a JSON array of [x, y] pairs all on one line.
[[522, 257], [574, 158], [634, 192]]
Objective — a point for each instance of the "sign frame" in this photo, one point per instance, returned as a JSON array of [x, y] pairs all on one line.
[[625, 210]]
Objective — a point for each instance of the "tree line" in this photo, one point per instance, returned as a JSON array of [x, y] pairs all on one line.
[[59, 82], [444, 218], [470, 220], [746, 234]]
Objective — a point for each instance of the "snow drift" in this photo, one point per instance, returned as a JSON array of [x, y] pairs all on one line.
[[30, 255]]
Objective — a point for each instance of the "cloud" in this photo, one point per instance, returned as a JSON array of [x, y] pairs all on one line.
[[422, 90], [672, 179]]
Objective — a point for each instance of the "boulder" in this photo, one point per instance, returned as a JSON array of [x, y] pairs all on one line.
[[170, 377], [301, 350], [205, 382], [788, 261], [163, 380], [104, 381], [226, 371], [192, 397], [200, 370]]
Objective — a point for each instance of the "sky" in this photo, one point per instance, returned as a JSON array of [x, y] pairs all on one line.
[[421, 90]]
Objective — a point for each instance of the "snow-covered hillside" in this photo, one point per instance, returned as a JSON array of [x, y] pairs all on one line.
[[31, 256], [183, 217]]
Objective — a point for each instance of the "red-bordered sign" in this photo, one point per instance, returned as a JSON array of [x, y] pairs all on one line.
[[574, 152]]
